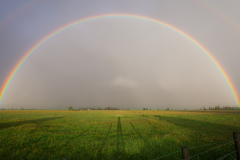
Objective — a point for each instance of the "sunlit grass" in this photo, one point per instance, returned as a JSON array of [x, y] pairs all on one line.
[[55, 134]]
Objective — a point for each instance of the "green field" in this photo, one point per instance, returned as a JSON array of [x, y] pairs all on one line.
[[116, 134]]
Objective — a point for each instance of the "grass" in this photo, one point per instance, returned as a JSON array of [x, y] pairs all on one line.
[[56, 134]]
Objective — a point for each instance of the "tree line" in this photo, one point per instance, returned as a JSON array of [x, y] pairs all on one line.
[[98, 108], [220, 108]]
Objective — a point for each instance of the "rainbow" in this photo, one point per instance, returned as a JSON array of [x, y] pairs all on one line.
[[42, 41], [218, 12], [17, 13]]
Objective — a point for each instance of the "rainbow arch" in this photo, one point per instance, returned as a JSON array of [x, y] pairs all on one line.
[[10, 17], [37, 45], [221, 14]]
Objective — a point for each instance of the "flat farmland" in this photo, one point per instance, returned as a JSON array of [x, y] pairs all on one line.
[[115, 134]]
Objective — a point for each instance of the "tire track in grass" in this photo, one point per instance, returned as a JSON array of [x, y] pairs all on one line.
[[154, 126], [120, 130], [146, 141], [68, 140], [120, 151], [160, 132], [80, 135], [79, 148], [99, 152]]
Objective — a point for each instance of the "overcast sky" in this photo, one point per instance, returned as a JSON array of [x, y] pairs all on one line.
[[120, 62]]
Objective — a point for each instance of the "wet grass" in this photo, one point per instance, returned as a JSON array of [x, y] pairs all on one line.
[[114, 134]]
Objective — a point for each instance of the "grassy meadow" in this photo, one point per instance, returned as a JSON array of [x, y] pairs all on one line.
[[114, 134]]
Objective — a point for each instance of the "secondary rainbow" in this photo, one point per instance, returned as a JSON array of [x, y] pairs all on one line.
[[37, 45], [221, 14], [9, 18]]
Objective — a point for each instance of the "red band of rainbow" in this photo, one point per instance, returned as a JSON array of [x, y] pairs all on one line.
[[37, 45]]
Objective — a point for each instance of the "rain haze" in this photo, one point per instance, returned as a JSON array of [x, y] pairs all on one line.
[[120, 61]]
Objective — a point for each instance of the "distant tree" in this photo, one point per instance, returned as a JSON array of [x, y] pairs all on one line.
[[167, 109], [143, 108], [150, 108], [70, 108]]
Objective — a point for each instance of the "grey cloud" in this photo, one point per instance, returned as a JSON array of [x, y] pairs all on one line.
[[121, 61]]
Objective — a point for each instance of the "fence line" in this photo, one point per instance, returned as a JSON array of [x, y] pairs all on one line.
[[232, 157], [225, 156], [207, 150], [167, 155], [195, 147], [210, 144]]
